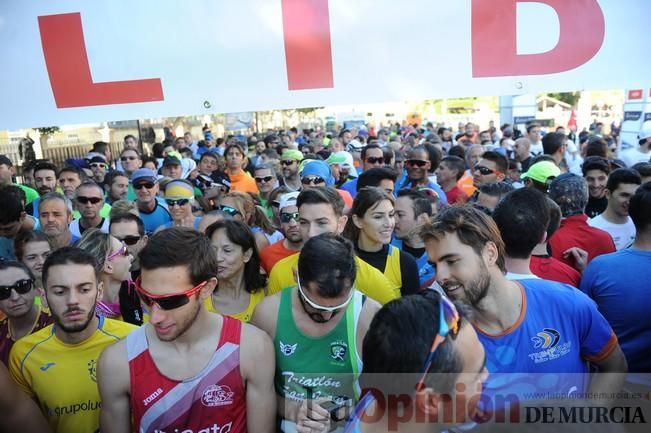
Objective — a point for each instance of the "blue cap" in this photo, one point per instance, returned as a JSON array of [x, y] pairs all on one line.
[[318, 168], [146, 174]]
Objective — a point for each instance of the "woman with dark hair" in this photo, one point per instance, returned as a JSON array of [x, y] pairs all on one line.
[[241, 285], [32, 248], [370, 228], [235, 161]]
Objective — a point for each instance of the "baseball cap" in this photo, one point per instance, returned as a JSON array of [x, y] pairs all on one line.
[[97, 158], [221, 178], [292, 154], [644, 133], [144, 174], [4, 160], [542, 171], [288, 199], [355, 145], [344, 159], [171, 160]]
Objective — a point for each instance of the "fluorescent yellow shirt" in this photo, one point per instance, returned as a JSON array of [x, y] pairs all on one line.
[[369, 280], [62, 377], [245, 315]]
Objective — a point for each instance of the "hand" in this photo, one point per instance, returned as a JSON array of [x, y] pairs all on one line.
[[580, 257], [193, 174], [312, 418]]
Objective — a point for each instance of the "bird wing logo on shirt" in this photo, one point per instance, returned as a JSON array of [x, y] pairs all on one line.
[[217, 395], [545, 339], [287, 349]]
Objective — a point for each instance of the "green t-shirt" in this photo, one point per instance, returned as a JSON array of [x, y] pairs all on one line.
[[30, 193]]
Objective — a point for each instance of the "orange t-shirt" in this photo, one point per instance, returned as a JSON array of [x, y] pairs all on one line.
[[465, 183], [274, 253], [243, 182]]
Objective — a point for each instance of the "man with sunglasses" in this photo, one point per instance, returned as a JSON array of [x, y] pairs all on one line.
[[152, 213], [537, 333], [418, 165], [443, 359], [90, 199], [130, 229], [318, 327], [185, 352], [23, 316], [293, 242], [491, 168], [99, 167], [372, 156], [57, 366], [266, 180], [289, 161]]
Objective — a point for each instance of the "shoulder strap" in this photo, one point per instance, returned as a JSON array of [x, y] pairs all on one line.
[[231, 331]]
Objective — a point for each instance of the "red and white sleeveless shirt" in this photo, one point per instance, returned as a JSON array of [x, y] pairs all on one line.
[[212, 401]]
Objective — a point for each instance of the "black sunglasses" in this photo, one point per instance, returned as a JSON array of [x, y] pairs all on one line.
[[21, 287], [129, 240], [97, 165], [416, 163], [287, 161], [85, 200], [312, 180], [148, 185], [375, 160], [173, 202], [287, 217], [230, 210], [264, 179], [483, 170]]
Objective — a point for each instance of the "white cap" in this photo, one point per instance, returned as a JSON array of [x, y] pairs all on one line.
[[288, 199], [645, 132]]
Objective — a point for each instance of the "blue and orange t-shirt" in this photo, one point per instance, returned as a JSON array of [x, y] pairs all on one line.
[[546, 352]]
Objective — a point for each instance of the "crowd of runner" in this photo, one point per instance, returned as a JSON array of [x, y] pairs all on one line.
[[253, 283]]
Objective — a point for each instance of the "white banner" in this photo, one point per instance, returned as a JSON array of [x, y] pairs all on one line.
[[73, 61]]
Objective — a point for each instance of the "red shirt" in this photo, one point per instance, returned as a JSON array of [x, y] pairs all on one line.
[[549, 268], [575, 232], [456, 195], [273, 253], [213, 400], [7, 341]]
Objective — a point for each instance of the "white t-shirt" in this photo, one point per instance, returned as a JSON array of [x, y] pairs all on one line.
[[74, 227], [536, 149], [633, 156], [623, 234]]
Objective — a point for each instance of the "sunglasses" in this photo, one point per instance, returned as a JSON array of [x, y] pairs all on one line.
[[128, 158], [97, 165], [375, 160], [484, 171], [275, 203], [21, 287], [86, 200], [230, 210], [287, 161], [129, 240], [312, 180], [287, 217], [167, 302], [448, 325], [316, 316], [123, 251], [148, 185], [174, 202], [416, 163], [264, 179]]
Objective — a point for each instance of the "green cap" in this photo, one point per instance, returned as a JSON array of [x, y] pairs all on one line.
[[542, 171], [292, 154]]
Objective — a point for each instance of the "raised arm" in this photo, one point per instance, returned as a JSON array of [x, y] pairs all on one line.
[[113, 381]]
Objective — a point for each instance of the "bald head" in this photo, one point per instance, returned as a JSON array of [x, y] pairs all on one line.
[[521, 147]]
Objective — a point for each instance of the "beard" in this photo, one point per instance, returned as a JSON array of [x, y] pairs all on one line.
[[475, 290], [72, 328], [184, 325]]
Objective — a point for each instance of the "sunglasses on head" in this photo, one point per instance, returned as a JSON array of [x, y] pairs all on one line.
[[316, 315], [287, 217], [287, 161], [485, 171], [129, 240], [86, 200], [128, 158], [416, 163], [167, 302], [179, 201], [21, 287], [148, 185], [230, 210], [122, 251], [312, 180], [375, 160], [264, 179], [448, 325]]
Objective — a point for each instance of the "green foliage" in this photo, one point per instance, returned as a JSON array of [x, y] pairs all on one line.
[[47, 130], [571, 98]]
